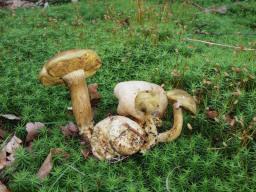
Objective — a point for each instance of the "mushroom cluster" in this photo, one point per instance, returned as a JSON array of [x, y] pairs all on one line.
[[141, 107]]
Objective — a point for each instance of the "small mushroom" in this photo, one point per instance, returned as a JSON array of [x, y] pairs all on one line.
[[116, 136], [180, 99], [144, 101], [72, 68]]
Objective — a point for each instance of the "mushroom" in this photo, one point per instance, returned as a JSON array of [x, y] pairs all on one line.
[[144, 101], [72, 68], [116, 136], [180, 99], [152, 99], [147, 102]]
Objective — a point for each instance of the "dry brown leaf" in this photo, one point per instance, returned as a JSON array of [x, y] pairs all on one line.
[[252, 124], [47, 165], [221, 9], [252, 77], [230, 120], [33, 130], [70, 129], [10, 116], [212, 114], [8, 152], [237, 92], [207, 82], [2, 133], [3, 162], [14, 4], [236, 69], [175, 73], [13, 144], [85, 153], [3, 188], [123, 22]]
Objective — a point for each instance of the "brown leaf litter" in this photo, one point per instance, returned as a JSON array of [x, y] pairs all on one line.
[[33, 130], [47, 165], [8, 152]]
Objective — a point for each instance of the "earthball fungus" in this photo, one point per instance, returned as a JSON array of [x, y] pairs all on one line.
[[116, 136], [72, 68]]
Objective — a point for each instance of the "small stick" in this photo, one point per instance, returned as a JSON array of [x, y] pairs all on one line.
[[219, 44], [216, 148]]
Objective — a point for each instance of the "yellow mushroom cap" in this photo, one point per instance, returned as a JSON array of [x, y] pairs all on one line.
[[184, 99], [68, 61]]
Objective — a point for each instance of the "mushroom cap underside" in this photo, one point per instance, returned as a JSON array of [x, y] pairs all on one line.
[[183, 99], [69, 61]]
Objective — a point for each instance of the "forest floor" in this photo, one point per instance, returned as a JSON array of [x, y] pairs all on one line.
[[155, 41]]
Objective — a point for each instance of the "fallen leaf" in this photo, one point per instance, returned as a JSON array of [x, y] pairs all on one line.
[[70, 129], [252, 124], [251, 76], [13, 144], [3, 188], [14, 4], [3, 162], [207, 82], [33, 130], [212, 114], [175, 73], [2, 133], [10, 116], [85, 153], [230, 120], [123, 22], [47, 165], [29, 147], [8, 152], [237, 92], [236, 69], [221, 10]]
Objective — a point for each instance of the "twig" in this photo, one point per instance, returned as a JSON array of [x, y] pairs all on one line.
[[75, 169], [216, 148], [62, 174], [221, 45], [167, 178], [215, 33]]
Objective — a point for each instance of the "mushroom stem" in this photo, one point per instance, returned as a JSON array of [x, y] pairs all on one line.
[[151, 133], [175, 131], [80, 101]]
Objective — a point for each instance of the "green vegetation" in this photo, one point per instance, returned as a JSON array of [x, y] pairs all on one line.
[[214, 156]]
